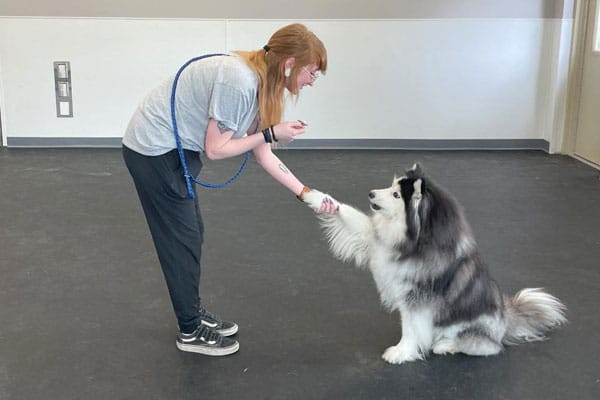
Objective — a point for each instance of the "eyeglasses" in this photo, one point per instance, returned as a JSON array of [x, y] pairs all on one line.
[[313, 75]]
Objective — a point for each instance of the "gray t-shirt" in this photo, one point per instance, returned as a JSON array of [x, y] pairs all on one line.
[[222, 88]]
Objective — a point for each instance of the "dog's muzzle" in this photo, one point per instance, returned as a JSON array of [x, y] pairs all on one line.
[[374, 205]]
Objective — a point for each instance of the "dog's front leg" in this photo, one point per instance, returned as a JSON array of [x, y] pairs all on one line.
[[417, 334], [406, 350], [348, 231]]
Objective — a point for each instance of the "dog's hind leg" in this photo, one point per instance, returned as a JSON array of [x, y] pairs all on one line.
[[472, 345], [479, 346]]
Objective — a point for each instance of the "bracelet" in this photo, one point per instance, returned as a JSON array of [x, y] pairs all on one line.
[[267, 135], [305, 189], [273, 133]]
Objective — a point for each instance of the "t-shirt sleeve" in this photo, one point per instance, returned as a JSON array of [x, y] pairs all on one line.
[[229, 106]]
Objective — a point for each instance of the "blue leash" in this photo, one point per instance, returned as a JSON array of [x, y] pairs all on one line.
[[189, 179]]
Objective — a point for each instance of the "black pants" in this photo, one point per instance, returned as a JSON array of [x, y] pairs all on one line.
[[175, 224]]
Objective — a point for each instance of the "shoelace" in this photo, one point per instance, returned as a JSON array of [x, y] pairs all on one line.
[[204, 313], [208, 335]]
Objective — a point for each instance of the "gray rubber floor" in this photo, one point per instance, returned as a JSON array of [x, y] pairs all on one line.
[[85, 311]]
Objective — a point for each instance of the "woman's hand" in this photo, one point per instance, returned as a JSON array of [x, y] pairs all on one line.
[[286, 132], [328, 206]]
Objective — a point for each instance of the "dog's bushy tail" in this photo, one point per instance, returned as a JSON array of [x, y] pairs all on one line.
[[530, 314]]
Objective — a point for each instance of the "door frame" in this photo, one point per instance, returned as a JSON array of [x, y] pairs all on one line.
[[580, 27], [3, 140]]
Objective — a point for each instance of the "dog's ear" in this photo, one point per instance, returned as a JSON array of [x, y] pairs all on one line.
[[415, 171]]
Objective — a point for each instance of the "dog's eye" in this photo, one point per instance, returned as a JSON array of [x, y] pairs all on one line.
[[396, 195]]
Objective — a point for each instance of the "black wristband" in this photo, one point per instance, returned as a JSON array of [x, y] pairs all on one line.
[[273, 133], [267, 135]]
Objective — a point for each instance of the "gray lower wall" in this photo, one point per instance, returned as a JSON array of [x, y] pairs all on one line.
[[406, 144], [305, 9]]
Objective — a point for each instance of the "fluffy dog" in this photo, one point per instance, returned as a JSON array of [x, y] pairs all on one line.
[[425, 263]]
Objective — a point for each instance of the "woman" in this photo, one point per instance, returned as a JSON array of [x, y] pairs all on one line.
[[226, 105]]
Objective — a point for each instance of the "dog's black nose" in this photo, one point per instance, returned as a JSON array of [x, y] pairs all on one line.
[[371, 195]]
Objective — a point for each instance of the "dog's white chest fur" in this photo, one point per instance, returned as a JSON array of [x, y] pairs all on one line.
[[392, 277]]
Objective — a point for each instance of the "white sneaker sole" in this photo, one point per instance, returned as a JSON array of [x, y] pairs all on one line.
[[208, 351]]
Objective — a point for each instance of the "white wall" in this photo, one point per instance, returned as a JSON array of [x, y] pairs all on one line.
[[388, 79], [305, 9]]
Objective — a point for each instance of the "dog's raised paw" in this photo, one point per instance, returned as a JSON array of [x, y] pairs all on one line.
[[314, 198]]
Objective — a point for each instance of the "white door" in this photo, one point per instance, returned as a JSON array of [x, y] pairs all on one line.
[[587, 139]]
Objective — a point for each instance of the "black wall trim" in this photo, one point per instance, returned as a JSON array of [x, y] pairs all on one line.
[[406, 144], [62, 142], [424, 144]]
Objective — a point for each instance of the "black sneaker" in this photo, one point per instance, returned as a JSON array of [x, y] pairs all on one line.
[[225, 328], [206, 341]]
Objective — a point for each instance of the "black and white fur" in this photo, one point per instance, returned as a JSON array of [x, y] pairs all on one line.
[[425, 263]]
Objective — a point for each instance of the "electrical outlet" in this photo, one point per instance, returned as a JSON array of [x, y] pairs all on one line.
[[64, 109], [62, 88]]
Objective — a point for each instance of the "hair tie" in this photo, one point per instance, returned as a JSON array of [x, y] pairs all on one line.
[[266, 48]]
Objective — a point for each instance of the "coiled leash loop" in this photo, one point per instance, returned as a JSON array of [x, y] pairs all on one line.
[[189, 179]]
